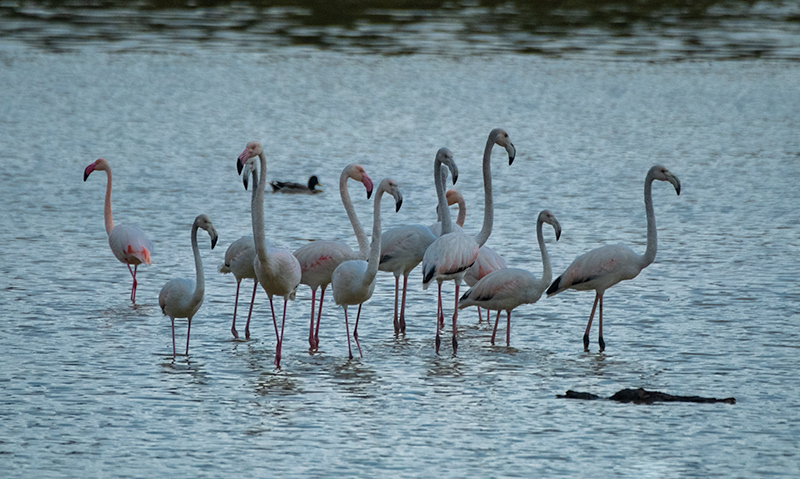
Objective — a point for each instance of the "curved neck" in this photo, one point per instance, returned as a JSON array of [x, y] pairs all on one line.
[[107, 207], [488, 208], [547, 271], [462, 212], [444, 210], [257, 208], [652, 235], [375, 247], [361, 235], [200, 285]]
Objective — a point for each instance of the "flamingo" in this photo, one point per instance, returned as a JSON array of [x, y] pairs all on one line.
[[277, 270], [128, 242], [320, 258], [603, 267], [451, 254], [239, 261], [453, 197], [353, 281], [403, 247], [182, 298], [507, 288], [290, 187]]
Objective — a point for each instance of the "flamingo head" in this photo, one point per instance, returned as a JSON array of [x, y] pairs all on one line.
[[388, 185], [453, 197], [249, 167], [100, 165], [204, 222], [660, 173], [252, 150], [500, 137], [547, 217], [445, 157], [357, 173]]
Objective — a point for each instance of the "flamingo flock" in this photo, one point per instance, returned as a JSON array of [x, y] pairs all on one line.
[[445, 251]]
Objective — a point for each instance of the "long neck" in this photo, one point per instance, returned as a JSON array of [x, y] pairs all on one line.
[[652, 235], [462, 212], [488, 211], [107, 207], [361, 235], [375, 247], [547, 271], [200, 284], [257, 209], [444, 211]]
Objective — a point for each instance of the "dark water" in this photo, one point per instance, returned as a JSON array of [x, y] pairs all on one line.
[[89, 384]]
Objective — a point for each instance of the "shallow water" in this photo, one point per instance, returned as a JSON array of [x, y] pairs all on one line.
[[91, 388]]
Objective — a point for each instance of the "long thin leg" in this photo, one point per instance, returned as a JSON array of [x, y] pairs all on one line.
[[173, 336], [250, 313], [496, 320], [355, 331], [235, 307], [396, 297], [403, 305], [280, 342], [319, 318], [277, 336], [133, 274], [439, 319], [188, 330], [347, 328], [455, 317], [311, 327], [589, 326], [600, 324], [480, 318], [508, 329]]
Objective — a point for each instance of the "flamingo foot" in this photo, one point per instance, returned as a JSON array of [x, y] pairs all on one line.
[[247, 333], [586, 342], [396, 326], [455, 345], [402, 326], [438, 343], [235, 333], [602, 344]]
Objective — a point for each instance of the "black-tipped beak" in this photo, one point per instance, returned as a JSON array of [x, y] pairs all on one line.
[[213, 242], [85, 175], [558, 234], [369, 193], [398, 204], [245, 181], [239, 165], [455, 178], [512, 152]]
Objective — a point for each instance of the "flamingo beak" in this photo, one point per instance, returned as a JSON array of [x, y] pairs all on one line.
[[214, 240], [89, 169], [558, 230], [512, 152], [398, 202], [367, 184], [675, 182]]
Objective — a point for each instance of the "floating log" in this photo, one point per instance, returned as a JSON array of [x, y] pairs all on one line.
[[642, 396]]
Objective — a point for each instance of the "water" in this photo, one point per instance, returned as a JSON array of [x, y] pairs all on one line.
[[90, 387]]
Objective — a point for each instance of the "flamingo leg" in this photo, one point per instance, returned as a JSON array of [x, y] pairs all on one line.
[[280, 341], [277, 336], [319, 318], [600, 325], [455, 317], [439, 319], [347, 328], [235, 307], [403, 305], [480, 318], [589, 326], [188, 330], [508, 329], [250, 313], [496, 320], [133, 274], [173, 335], [355, 331], [311, 327], [396, 296]]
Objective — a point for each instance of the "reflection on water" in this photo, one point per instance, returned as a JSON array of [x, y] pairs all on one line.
[[661, 30]]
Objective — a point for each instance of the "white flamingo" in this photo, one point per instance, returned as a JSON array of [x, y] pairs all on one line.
[[277, 270], [318, 259], [353, 281], [128, 242], [507, 288], [451, 254], [403, 247], [603, 267], [182, 298], [239, 261], [453, 197]]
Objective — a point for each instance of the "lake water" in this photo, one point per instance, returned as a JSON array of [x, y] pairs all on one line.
[[90, 387]]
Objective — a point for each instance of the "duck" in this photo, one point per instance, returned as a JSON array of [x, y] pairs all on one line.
[[291, 187]]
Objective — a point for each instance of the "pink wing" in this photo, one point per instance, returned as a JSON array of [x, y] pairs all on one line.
[[319, 259], [130, 245], [488, 261], [449, 255]]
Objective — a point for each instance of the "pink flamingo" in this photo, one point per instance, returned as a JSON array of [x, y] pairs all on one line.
[[603, 267], [353, 281], [277, 270], [507, 288], [453, 197], [239, 261], [403, 247], [318, 259], [450, 255], [128, 243], [182, 298]]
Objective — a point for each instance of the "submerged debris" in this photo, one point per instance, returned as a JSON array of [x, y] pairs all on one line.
[[642, 396]]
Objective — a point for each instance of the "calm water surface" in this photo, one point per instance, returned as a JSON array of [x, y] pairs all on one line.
[[89, 384]]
